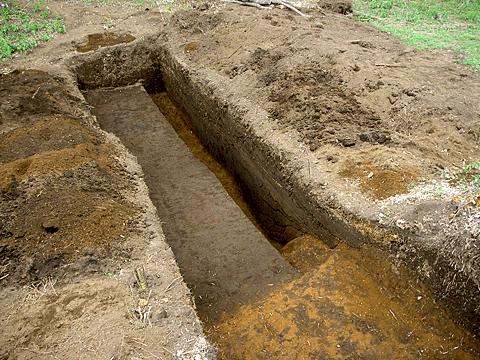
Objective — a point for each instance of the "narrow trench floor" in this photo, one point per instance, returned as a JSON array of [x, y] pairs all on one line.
[[344, 303], [223, 257]]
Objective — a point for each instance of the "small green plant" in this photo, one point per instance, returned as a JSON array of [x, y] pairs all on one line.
[[462, 185], [23, 28], [469, 177], [439, 192], [473, 166], [108, 22]]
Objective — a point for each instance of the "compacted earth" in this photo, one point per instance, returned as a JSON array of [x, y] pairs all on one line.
[[354, 154]]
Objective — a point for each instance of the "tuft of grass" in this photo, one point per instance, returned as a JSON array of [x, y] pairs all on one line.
[[22, 28], [428, 24], [461, 184]]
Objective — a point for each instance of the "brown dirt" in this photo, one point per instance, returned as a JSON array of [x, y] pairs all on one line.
[[357, 115], [329, 314]]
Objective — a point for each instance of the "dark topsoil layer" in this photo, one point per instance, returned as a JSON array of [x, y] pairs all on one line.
[[343, 117]]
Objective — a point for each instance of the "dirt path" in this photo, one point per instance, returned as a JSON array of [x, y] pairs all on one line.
[[224, 259]]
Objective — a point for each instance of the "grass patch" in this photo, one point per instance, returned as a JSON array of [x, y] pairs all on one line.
[[428, 24], [164, 4], [22, 28]]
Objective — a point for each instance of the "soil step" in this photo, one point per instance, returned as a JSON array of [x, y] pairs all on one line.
[[224, 259]]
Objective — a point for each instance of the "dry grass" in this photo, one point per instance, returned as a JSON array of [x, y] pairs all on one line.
[[140, 316], [40, 289]]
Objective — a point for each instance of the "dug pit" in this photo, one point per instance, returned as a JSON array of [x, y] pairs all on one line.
[[324, 140], [295, 188], [238, 280]]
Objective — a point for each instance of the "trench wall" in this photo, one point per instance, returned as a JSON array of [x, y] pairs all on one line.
[[283, 205]]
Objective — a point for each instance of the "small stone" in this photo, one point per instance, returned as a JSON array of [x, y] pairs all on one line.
[[51, 226], [203, 7], [348, 142], [314, 146], [365, 137], [332, 158]]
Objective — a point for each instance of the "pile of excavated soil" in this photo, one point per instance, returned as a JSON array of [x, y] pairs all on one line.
[[334, 128]]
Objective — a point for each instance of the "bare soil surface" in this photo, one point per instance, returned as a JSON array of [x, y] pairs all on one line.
[[348, 116]]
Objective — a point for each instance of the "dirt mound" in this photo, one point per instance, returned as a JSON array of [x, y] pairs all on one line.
[[60, 185], [29, 94], [339, 6], [311, 100]]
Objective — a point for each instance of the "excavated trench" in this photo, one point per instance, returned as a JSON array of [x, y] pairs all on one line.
[[216, 246], [321, 299]]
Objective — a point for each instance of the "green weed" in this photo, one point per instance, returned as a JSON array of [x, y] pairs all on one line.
[[428, 24], [23, 28], [468, 177]]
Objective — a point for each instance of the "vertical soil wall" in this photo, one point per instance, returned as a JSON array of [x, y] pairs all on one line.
[[285, 208]]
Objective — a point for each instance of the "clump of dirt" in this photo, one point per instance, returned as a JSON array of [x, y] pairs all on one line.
[[76, 212], [49, 134], [339, 6], [380, 182], [312, 100], [30, 94]]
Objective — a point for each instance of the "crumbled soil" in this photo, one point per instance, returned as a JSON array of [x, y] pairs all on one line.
[[353, 116]]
